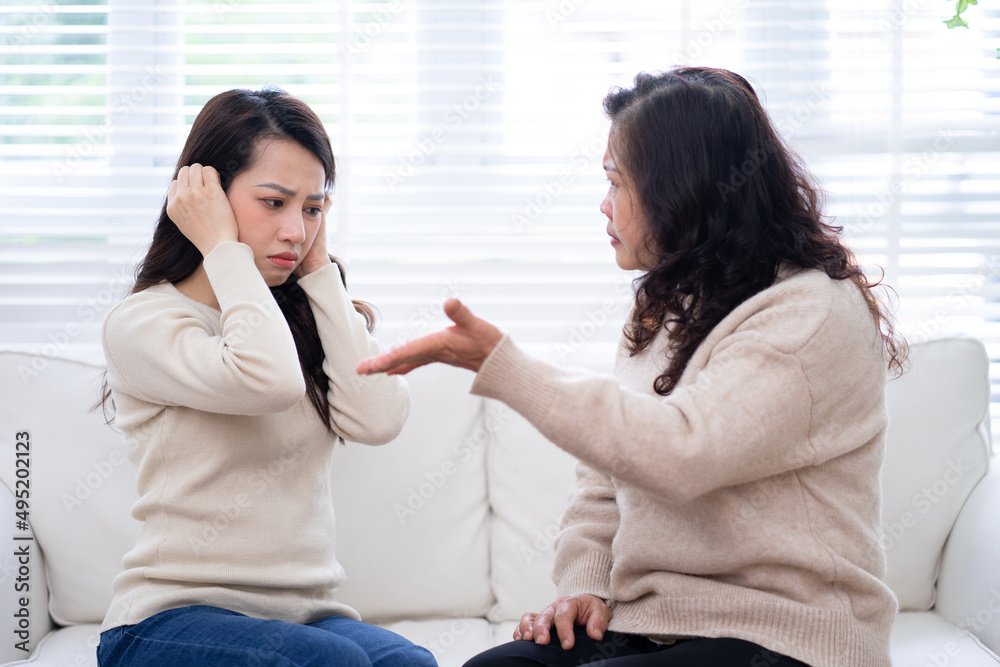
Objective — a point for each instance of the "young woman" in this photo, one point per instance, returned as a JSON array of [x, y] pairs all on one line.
[[231, 371], [727, 506]]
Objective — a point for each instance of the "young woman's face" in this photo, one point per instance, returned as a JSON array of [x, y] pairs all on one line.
[[278, 204], [626, 222]]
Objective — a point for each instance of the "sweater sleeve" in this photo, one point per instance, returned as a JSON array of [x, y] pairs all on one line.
[[159, 350], [745, 416], [367, 409], [583, 547]]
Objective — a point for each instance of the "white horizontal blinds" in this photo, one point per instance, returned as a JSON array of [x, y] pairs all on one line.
[[54, 136], [294, 46], [469, 137], [916, 176], [428, 190], [97, 100], [489, 185]]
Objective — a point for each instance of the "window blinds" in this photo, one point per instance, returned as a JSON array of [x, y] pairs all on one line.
[[469, 138]]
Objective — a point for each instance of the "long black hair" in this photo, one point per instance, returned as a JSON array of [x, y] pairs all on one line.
[[226, 135]]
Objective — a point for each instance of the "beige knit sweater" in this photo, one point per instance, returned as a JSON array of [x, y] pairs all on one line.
[[233, 465], [745, 504]]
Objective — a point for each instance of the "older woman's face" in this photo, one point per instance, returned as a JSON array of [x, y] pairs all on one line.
[[626, 221]]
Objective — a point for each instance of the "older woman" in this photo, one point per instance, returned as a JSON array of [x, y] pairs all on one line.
[[727, 505]]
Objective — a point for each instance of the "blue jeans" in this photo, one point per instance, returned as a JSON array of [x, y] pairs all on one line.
[[202, 635]]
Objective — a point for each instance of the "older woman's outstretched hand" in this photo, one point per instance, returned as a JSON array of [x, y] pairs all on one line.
[[465, 344]]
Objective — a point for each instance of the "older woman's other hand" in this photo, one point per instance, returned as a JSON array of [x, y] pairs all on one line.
[[563, 614], [466, 344]]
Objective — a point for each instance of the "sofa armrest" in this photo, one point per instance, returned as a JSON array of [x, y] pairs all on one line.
[[969, 579], [24, 593]]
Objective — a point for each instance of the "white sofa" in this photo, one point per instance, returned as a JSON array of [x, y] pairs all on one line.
[[446, 533]]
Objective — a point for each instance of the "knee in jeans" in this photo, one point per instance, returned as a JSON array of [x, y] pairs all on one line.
[[421, 657], [274, 649], [414, 656], [351, 657]]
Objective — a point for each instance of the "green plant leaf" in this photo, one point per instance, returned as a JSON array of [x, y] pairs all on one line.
[[956, 21], [962, 6]]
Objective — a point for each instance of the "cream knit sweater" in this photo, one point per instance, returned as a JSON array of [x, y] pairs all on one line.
[[233, 465], [746, 503]]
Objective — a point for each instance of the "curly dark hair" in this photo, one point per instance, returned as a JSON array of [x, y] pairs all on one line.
[[727, 203]]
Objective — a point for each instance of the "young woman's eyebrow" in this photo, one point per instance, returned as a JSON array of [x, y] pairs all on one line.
[[320, 196]]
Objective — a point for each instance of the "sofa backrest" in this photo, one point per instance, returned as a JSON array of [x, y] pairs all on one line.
[[82, 485], [413, 515], [937, 449], [413, 524], [458, 515]]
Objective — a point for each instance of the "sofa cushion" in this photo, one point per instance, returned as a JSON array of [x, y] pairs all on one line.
[[84, 486], [529, 487], [529, 484], [76, 646], [937, 448], [412, 515], [452, 640], [969, 583], [926, 639]]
